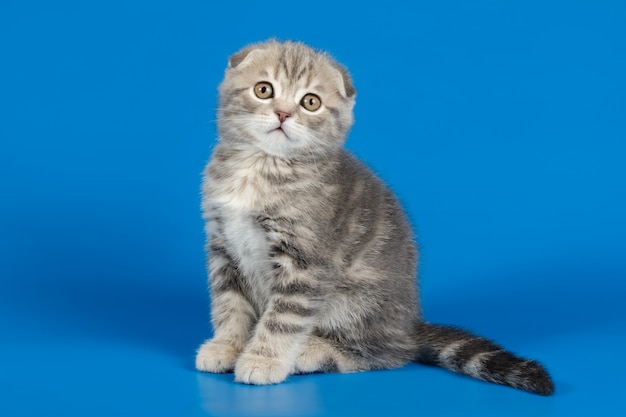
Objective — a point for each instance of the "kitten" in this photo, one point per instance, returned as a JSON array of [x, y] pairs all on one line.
[[312, 261]]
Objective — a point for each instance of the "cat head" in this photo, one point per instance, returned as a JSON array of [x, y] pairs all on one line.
[[285, 99]]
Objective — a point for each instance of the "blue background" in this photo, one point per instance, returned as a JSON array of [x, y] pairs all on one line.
[[500, 125]]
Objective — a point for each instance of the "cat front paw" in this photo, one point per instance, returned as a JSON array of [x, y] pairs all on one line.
[[216, 357], [260, 370]]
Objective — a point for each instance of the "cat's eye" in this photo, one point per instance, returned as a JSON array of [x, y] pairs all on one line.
[[264, 90], [311, 102]]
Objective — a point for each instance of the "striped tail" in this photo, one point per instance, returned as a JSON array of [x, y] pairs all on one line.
[[468, 354]]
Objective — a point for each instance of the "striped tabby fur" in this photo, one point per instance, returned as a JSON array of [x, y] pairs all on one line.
[[311, 259]]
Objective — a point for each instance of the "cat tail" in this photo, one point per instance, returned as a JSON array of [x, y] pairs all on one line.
[[460, 351]]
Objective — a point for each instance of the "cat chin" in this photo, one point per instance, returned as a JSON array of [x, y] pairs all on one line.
[[279, 153], [278, 143]]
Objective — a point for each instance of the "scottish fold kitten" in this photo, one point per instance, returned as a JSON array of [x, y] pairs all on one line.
[[311, 259]]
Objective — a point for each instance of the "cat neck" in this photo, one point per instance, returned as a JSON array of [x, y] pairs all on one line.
[[238, 153], [250, 179]]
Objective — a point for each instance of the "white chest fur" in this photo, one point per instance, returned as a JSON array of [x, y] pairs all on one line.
[[234, 201], [248, 246]]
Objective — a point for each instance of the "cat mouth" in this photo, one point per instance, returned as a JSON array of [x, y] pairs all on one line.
[[279, 130]]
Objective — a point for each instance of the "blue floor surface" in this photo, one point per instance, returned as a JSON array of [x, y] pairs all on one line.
[[500, 125]]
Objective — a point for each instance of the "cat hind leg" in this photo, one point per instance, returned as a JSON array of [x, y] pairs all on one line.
[[321, 355]]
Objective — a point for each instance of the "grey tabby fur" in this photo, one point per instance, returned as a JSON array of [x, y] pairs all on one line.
[[311, 259]]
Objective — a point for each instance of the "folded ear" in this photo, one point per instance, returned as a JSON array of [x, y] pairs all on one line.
[[345, 81], [243, 57]]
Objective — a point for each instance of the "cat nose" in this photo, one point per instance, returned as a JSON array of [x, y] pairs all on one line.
[[282, 115]]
